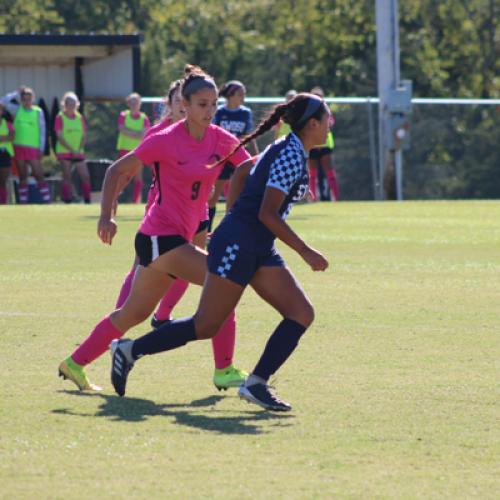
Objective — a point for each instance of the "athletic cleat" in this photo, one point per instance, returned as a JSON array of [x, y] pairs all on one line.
[[69, 370], [230, 376], [263, 395], [156, 323], [120, 365]]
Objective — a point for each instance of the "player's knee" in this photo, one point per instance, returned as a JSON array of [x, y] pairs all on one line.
[[134, 316], [305, 315], [206, 328]]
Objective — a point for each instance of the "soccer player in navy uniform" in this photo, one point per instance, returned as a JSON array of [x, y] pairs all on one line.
[[237, 119], [242, 252]]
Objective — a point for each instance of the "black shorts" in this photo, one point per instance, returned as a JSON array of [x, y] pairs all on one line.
[[227, 172], [5, 158], [73, 160], [203, 226], [149, 248], [317, 153]]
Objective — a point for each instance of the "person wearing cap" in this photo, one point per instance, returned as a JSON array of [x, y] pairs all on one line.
[[29, 140], [238, 120], [242, 252]]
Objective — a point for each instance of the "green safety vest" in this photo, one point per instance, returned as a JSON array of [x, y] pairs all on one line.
[[27, 127], [126, 142], [284, 129], [72, 132], [330, 143], [4, 130]]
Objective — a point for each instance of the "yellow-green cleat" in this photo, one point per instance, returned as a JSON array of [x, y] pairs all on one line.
[[224, 378], [68, 369]]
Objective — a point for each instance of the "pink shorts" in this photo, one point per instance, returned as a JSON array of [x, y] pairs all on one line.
[[26, 153]]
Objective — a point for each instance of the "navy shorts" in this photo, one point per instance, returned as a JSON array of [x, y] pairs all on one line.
[[232, 258], [203, 226], [317, 153], [5, 159], [149, 248], [227, 172]]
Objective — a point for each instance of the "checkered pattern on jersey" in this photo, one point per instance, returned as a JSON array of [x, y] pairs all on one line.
[[228, 260], [287, 168]]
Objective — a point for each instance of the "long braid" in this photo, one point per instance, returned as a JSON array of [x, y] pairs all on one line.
[[296, 113], [270, 121]]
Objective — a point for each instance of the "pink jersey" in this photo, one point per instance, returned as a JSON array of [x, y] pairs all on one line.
[[183, 176], [153, 189], [162, 125]]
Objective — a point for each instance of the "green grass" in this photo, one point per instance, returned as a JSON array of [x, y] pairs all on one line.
[[394, 388]]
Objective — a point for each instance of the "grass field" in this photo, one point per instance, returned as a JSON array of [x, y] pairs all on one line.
[[394, 388]]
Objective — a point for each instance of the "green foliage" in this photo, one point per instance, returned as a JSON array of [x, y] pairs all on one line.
[[448, 49]]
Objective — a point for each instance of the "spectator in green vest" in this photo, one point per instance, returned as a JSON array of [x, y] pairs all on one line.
[[71, 131], [29, 140], [6, 153], [132, 125]]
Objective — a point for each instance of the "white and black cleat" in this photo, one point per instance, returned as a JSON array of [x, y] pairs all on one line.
[[120, 364], [263, 395]]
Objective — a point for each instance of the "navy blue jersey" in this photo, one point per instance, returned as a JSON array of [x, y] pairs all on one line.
[[238, 121], [282, 166]]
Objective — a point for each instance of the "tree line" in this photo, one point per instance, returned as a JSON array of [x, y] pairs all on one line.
[[448, 49]]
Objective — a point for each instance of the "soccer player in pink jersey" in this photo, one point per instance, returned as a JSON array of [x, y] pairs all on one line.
[[176, 291], [183, 156]]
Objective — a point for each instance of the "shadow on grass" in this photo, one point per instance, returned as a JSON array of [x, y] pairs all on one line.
[[128, 409]]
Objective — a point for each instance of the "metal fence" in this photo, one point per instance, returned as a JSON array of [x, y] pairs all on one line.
[[454, 151]]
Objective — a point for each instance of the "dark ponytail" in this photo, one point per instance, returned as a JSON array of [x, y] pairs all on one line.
[[230, 88], [297, 112], [195, 79], [174, 87]]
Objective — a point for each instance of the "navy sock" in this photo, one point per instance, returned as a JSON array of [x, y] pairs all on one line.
[[280, 345], [168, 336], [211, 215]]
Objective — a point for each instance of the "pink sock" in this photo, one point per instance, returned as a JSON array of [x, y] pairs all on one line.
[[313, 182], [43, 187], [23, 193], [96, 343], [66, 191], [223, 343], [136, 195], [125, 289], [171, 299], [332, 182], [86, 192], [3, 195]]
